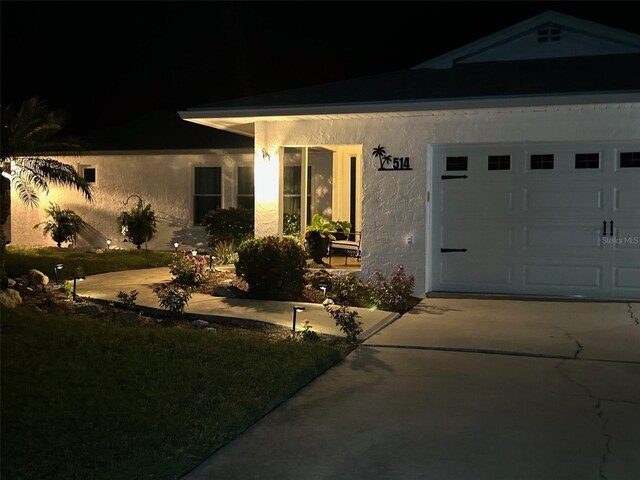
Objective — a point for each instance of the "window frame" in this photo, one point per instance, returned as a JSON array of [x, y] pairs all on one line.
[[84, 168], [544, 157]]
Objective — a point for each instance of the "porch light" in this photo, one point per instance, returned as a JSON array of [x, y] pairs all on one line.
[[296, 309], [265, 155], [176, 245], [57, 267]]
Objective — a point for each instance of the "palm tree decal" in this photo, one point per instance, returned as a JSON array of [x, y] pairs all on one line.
[[387, 161], [381, 154]]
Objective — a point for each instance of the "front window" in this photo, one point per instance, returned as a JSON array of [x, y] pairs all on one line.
[[245, 187], [207, 191]]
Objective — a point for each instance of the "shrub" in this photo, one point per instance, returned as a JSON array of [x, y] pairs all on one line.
[[63, 225], [187, 269], [128, 299], [173, 297], [139, 224], [392, 294], [308, 335], [274, 268], [233, 225], [291, 224], [225, 252], [345, 318], [350, 289]]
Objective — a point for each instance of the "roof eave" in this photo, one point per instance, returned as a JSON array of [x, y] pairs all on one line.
[[241, 120]]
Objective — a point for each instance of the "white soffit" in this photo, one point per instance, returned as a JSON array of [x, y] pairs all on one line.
[[234, 121]]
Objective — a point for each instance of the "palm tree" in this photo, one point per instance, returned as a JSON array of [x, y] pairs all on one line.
[[379, 152], [29, 136]]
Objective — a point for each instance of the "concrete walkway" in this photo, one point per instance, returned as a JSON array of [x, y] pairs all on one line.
[[107, 285], [463, 389]]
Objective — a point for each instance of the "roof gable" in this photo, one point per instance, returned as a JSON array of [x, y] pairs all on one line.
[[548, 35]]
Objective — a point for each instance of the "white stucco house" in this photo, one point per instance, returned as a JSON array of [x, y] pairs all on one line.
[[510, 165], [168, 163]]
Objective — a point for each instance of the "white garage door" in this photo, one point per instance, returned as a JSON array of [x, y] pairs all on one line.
[[537, 219]]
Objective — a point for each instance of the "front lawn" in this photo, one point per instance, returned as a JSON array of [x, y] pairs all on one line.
[[86, 399], [20, 260]]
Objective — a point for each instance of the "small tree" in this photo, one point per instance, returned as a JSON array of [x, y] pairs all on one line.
[[63, 225], [139, 224]]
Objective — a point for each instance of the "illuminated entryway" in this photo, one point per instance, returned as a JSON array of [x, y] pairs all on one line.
[[320, 179]]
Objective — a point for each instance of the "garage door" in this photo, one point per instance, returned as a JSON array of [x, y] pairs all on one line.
[[537, 219]]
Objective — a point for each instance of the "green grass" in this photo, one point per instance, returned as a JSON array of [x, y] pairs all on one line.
[[20, 260], [87, 399]]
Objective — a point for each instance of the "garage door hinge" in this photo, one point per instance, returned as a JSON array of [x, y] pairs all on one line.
[[449, 250], [452, 177]]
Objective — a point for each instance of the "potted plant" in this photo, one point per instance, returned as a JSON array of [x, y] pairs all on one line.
[[317, 237], [63, 225], [138, 225], [343, 229]]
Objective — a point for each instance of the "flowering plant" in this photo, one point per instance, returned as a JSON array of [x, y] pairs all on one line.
[[391, 294], [188, 269], [345, 318]]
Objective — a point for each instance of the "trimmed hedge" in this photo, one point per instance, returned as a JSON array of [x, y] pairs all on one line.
[[273, 267], [232, 225]]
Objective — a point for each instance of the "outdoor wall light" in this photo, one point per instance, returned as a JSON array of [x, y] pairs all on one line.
[[265, 155], [57, 267], [296, 309], [176, 245], [79, 279], [108, 243]]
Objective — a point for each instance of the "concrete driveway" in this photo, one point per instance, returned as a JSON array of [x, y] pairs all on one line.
[[463, 389]]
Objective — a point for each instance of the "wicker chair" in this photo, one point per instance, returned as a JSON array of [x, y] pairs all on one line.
[[350, 246]]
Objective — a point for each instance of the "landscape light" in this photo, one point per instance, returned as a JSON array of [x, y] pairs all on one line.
[[296, 309], [108, 243], [79, 279], [176, 245], [194, 253], [324, 290], [56, 267]]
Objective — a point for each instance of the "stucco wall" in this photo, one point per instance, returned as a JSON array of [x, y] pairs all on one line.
[[164, 179], [395, 203]]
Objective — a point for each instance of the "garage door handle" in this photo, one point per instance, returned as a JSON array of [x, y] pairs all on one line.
[[604, 228], [450, 250], [611, 228]]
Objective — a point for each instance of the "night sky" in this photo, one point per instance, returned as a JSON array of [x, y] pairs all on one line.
[[107, 63]]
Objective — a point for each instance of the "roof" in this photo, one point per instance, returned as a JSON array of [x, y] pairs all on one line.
[[450, 81], [162, 130]]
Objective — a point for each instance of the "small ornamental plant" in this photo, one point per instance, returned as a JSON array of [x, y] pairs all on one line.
[[187, 269], [392, 294], [345, 319], [173, 297], [63, 225], [128, 299]]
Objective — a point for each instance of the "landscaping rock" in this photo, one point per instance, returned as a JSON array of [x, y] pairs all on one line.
[[11, 283], [10, 298], [89, 309], [125, 318], [211, 330], [37, 279], [227, 290], [199, 324]]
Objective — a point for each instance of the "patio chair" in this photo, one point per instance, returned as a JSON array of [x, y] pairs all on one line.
[[350, 246]]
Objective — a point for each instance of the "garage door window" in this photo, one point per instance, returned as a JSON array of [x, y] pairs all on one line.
[[542, 162], [456, 164], [499, 162], [587, 160], [630, 160]]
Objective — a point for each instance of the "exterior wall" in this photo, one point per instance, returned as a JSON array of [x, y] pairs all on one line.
[[395, 203], [163, 179]]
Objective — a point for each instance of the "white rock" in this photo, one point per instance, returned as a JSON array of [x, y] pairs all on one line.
[[10, 298], [199, 324]]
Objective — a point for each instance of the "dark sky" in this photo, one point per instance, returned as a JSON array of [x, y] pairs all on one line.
[[107, 62]]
